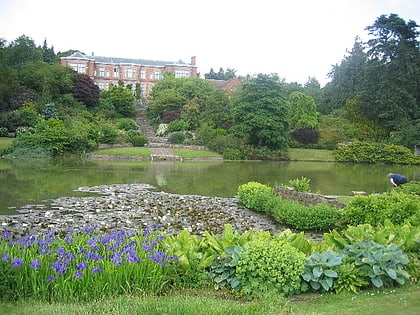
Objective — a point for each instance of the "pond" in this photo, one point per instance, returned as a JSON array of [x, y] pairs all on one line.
[[35, 181]]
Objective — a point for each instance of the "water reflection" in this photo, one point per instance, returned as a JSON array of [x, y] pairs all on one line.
[[32, 181]]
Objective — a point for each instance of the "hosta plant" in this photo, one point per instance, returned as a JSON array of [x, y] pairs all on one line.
[[319, 270], [223, 269]]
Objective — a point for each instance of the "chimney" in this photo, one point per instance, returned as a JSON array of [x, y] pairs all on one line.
[[193, 60]]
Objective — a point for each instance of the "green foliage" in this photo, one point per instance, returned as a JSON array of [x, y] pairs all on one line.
[[412, 187], [136, 138], [121, 98], [126, 124], [49, 111], [383, 265], [223, 269], [319, 270], [177, 137], [320, 217], [270, 266], [306, 135], [303, 114], [108, 133], [8, 282], [395, 206], [350, 279], [82, 133], [256, 196], [301, 184], [178, 125], [363, 152], [260, 113]]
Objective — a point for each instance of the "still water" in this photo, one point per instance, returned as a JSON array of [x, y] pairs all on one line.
[[35, 181]]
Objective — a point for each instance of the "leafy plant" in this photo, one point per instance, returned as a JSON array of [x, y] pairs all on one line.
[[270, 265], [223, 269], [177, 137], [349, 279], [381, 264], [396, 206], [319, 270], [136, 138], [301, 184], [256, 196]]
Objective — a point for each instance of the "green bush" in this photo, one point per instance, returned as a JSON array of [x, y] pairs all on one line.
[[319, 217], [411, 187], [108, 133], [177, 137], [223, 269], [256, 196], [396, 206], [363, 152], [177, 125], [270, 266], [126, 124], [136, 138]]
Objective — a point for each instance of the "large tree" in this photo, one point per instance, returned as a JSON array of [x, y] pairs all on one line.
[[261, 112]]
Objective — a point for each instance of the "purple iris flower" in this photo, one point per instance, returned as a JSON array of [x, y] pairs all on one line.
[[35, 264], [5, 257], [17, 262]]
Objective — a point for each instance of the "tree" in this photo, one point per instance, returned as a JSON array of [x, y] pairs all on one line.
[[85, 90], [391, 93], [260, 113], [121, 98], [23, 50], [302, 110]]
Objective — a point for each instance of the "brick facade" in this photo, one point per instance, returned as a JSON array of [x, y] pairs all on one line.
[[106, 71]]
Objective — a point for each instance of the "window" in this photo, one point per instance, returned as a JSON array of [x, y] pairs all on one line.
[[101, 72], [182, 73], [78, 67], [116, 73], [142, 74], [129, 73], [103, 85], [156, 75]]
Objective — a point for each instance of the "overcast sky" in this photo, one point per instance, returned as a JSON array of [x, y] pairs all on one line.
[[296, 39]]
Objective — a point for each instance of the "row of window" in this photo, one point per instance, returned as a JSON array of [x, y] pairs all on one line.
[[129, 73]]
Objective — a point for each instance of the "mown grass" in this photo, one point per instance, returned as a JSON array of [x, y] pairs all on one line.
[[5, 142], [189, 153], [130, 151], [405, 300], [296, 154]]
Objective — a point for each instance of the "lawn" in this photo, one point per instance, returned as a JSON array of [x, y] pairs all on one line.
[[405, 300], [129, 151], [5, 142], [310, 155]]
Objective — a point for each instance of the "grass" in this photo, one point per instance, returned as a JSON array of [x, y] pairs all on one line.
[[188, 153], [5, 142], [130, 151], [310, 155], [405, 300]]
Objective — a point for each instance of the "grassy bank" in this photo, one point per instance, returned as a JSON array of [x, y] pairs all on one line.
[[404, 300], [5, 142], [310, 155]]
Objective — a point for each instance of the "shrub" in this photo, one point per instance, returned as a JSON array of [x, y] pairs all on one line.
[[136, 138], [177, 137], [256, 196], [306, 135], [270, 266], [411, 187], [396, 206], [319, 217], [162, 130], [170, 116], [126, 124], [177, 125], [349, 278], [108, 133], [364, 152]]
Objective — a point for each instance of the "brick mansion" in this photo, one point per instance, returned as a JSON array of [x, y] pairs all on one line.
[[140, 73]]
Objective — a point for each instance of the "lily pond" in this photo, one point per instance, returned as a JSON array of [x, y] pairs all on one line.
[[37, 181]]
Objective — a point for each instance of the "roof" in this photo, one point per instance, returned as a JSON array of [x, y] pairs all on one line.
[[117, 60]]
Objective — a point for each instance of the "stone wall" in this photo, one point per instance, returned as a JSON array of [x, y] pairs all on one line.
[[306, 198]]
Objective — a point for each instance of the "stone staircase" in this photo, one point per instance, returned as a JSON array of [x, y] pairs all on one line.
[[159, 146]]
